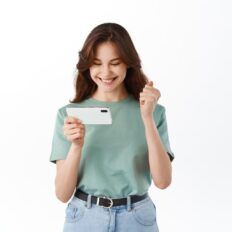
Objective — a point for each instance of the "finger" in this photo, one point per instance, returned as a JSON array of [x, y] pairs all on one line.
[[149, 83], [146, 90], [148, 94], [152, 90], [76, 136], [73, 131], [70, 119], [73, 125], [69, 126], [148, 87], [142, 100], [148, 98]]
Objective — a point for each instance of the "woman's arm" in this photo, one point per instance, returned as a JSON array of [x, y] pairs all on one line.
[[67, 174], [159, 161]]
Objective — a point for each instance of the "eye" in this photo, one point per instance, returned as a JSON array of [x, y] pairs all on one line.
[[115, 64], [96, 64]]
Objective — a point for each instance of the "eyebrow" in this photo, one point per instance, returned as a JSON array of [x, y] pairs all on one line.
[[117, 58]]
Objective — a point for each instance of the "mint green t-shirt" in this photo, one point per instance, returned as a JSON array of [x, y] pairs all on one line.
[[114, 159]]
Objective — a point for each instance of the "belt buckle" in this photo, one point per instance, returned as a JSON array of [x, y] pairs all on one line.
[[105, 197]]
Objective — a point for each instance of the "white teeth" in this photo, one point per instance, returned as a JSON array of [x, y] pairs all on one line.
[[107, 81]]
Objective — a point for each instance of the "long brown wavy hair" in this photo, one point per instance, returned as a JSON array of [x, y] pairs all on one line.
[[135, 79]]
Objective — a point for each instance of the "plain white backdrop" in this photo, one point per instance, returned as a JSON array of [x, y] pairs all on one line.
[[185, 48]]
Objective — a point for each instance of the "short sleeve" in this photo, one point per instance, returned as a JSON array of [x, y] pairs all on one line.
[[163, 133], [60, 145]]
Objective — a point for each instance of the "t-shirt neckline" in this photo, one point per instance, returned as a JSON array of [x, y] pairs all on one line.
[[111, 103]]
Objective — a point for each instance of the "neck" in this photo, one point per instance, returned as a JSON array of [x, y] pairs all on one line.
[[110, 96]]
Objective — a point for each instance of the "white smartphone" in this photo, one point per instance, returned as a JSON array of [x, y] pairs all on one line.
[[91, 115]]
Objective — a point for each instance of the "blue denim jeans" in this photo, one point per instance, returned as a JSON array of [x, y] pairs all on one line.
[[85, 216]]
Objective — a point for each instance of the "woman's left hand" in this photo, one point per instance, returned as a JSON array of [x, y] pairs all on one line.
[[148, 100]]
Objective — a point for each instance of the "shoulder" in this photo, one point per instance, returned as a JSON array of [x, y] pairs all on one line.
[[61, 111]]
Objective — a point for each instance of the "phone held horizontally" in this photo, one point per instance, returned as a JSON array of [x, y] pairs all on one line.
[[91, 115]]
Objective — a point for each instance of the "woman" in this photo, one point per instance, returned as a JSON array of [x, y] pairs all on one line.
[[110, 167]]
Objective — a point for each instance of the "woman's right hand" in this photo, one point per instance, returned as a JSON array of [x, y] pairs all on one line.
[[74, 131]]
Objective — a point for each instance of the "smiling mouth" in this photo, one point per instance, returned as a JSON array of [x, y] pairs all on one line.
[[109, 81]]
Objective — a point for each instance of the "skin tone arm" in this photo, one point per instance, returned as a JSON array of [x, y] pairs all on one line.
[[67, 170], [159, 161], [66, 177]]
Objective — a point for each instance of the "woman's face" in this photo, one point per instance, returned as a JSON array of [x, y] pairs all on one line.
[[108, 71]]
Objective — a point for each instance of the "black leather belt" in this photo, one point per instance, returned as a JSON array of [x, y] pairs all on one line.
[[107, 202]]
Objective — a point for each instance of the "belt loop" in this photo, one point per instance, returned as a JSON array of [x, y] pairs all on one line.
[[89, 201], [128, 203]]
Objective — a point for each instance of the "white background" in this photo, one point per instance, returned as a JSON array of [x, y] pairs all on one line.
[[185, 48]]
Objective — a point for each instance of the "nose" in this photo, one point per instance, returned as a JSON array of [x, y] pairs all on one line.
[[105, 71]]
